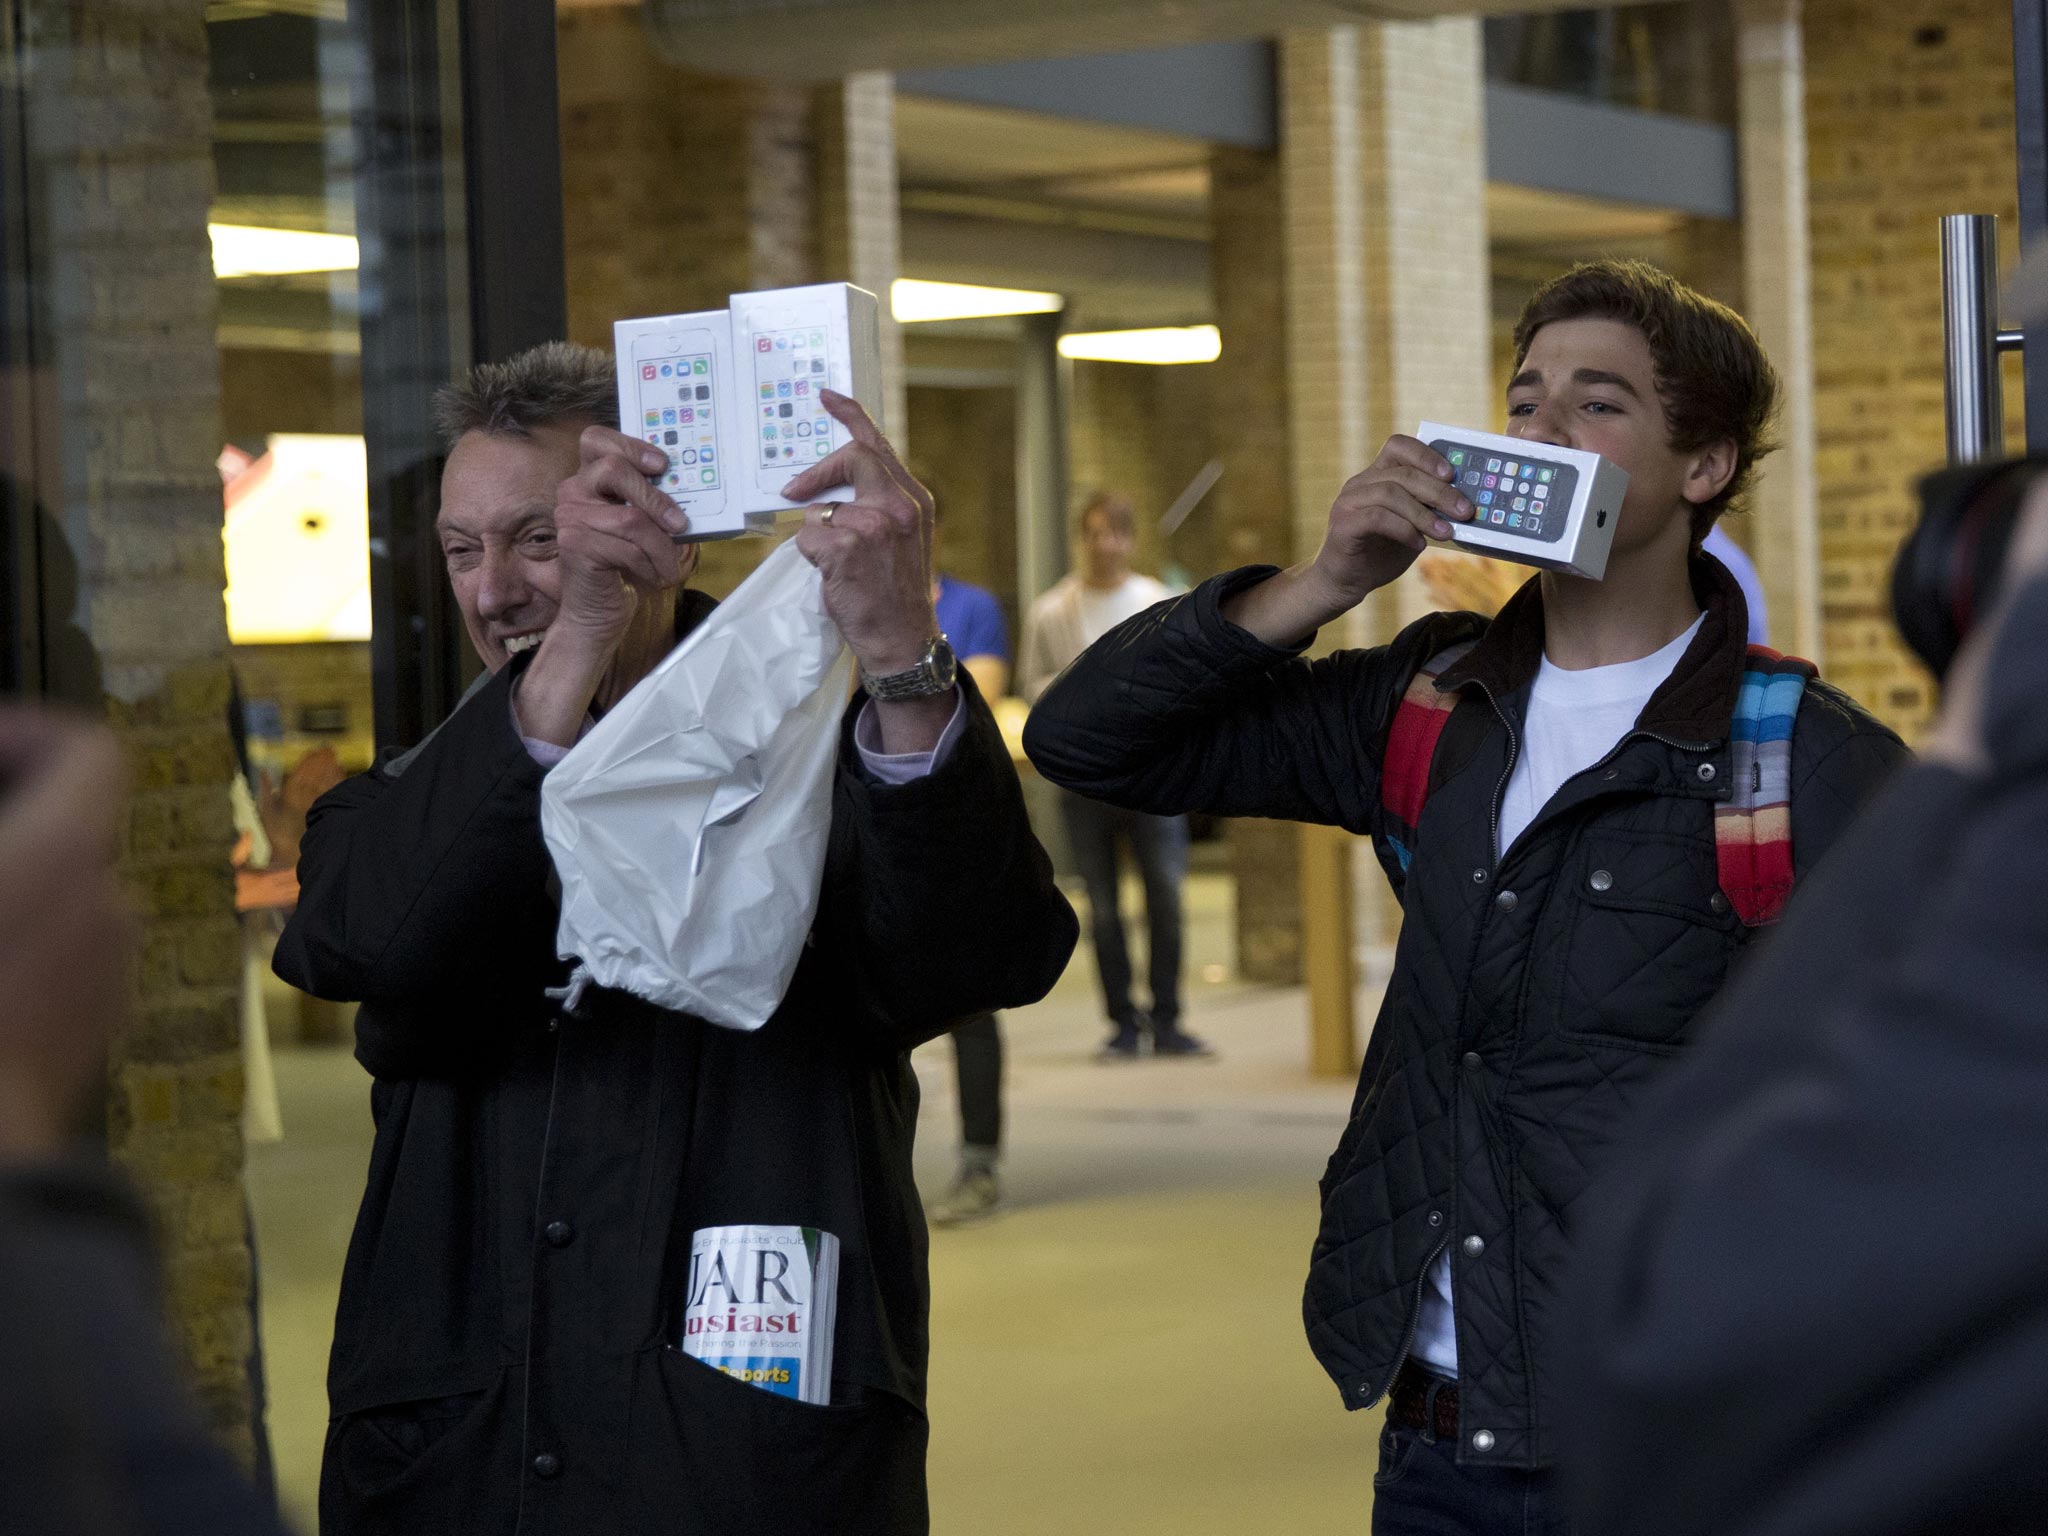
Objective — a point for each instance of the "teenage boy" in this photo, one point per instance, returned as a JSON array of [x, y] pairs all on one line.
[[1544, 791]]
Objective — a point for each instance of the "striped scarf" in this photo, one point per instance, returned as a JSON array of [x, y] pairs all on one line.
[[1752, 830]]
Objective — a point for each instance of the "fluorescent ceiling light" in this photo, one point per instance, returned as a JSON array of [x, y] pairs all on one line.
[[247, 250], [912, 300], [1162, 344]]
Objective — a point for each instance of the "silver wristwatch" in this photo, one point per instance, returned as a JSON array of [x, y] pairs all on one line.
[[934, 673]]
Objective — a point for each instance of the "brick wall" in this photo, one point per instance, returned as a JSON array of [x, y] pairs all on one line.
[[1249, 516], [966, 442], [682, 189], [1909, 116], [119, 136], [266, 389], [858, 225], [1146, 431]]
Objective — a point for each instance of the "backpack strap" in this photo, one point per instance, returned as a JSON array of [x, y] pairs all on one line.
[[1753, 828], [1419, 720]]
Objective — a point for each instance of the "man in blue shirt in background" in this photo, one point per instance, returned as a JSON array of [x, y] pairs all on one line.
[[972, 621]]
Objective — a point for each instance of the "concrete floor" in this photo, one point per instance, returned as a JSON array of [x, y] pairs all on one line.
[[1118, 1352]]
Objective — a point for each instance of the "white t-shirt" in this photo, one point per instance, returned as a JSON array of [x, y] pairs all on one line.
[[1103, 609], [1574, 720]]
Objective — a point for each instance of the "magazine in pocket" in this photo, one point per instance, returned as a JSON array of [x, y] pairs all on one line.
[[762, 1305]]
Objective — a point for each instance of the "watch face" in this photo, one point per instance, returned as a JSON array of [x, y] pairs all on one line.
[[934, 674]]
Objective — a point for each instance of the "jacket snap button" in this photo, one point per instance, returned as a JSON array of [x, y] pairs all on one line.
[[1718, 902], [560, 1233], [1474, 1246], [545, 1465], [1706, 773], [1472, 1061], [1601, 880], [1479, 877], [1505, 901], [1436, 1218], [1482, 1440]]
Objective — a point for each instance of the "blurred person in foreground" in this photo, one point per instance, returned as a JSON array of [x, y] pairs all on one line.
[[1078, 610], [1815, 1291], [98, 1433], [505, 1353], [1547, 793], [972, 621]]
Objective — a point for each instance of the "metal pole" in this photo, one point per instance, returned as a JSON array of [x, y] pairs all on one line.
[[1969, 291]]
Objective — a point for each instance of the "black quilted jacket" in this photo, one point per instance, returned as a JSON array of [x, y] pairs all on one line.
[[1530, 1004]]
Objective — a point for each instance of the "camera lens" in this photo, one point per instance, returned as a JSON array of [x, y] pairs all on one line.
[[1948, 569]]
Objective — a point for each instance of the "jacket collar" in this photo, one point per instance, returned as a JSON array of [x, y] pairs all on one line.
[[1693, 704]]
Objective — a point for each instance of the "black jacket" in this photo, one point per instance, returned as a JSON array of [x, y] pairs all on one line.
[[1816, 1291], [1529, 1005], [502, 1357], [98, 1436]]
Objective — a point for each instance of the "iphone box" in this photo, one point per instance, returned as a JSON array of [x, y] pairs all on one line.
[[1545, 506], [731, 396]]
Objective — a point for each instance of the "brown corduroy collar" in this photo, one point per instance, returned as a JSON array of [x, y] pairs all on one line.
[[1693, 704]]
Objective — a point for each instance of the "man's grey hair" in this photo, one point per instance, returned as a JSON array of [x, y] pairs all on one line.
[[552, 384]]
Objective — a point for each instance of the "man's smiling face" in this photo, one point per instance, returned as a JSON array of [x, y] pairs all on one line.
[[497, 532]]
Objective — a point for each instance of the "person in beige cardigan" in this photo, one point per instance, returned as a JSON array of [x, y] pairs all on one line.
[[1072, 615]]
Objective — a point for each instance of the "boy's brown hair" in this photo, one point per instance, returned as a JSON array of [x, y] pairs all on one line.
[[1712, 376]]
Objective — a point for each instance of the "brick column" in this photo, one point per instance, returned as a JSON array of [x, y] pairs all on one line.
[[1323, 201], [121, 177], [1384, 194], [1783, 530], [1249, 516], [1909, 115], [1322, 183], [680, 189], [1423, 141], [858, 222]]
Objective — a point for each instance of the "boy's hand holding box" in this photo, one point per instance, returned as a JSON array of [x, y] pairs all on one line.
[[1532, 502]]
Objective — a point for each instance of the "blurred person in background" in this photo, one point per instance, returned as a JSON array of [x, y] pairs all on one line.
[[1582, 822], [1077, 611], [972, 621], [1814, 1291], [98, 1432]]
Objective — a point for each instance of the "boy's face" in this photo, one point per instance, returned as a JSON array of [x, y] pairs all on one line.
[[1592, 384]]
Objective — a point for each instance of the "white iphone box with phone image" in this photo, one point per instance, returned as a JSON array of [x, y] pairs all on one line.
[[1532, 502], [675, 391], [731, 396], [792, 342]]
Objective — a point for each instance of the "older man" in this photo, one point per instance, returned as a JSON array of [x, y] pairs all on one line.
[[504, 1355]]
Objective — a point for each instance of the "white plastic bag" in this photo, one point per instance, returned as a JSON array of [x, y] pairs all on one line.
[[689, 826]]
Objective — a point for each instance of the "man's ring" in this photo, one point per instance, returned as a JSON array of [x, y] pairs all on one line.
[[825, 517]]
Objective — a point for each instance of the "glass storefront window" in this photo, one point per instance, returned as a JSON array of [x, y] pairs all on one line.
[[286, 261], [1674, 59]]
